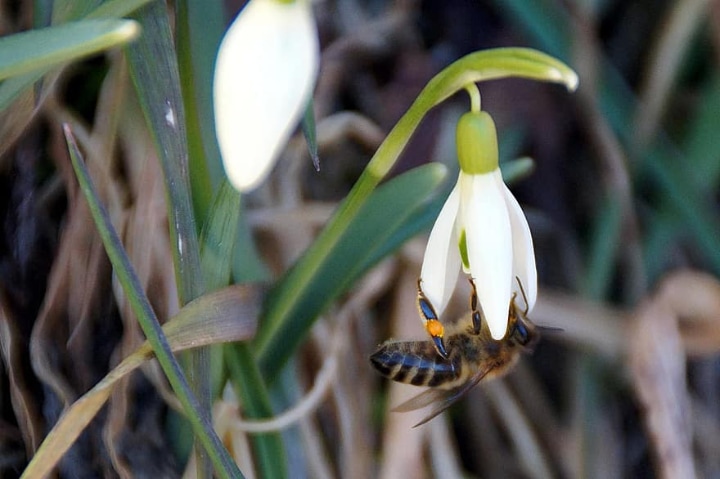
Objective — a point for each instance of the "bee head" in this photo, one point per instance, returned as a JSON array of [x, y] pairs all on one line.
[[523, 333]]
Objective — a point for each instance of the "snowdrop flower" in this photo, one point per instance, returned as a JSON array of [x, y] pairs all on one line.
[[264, 76], [481, 228]]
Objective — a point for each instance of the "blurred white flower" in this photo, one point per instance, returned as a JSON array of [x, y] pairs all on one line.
[[264, 76], [482, 228]]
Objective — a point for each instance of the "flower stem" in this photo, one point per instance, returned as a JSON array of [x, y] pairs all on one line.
[[474, 93], [475, 67]]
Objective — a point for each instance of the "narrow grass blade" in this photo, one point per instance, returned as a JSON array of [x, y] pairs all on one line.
[[217, 241], [199, 419], [12, 87], [199, 29], [218, 237], [249, 383], [308, 128], [117, 8], [604, 243], [700, 142], [154, 70]]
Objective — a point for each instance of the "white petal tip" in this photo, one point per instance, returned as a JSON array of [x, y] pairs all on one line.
[[264, 75], [497, 329]]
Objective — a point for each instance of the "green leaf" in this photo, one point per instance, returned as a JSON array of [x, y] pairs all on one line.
[[382, 224], [517, 169], [218, 237], [68, 10], [42, 12], [663, 229], [218, 240], [247, 263], [701, 140], [547, 24], [154, 70], [149, 323], [200, 25], [11, 88], [604, 245], [308, 129], [249, 382], [117, 8], [40, 50]]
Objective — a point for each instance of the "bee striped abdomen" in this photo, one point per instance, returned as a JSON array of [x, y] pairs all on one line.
[[415, 362]]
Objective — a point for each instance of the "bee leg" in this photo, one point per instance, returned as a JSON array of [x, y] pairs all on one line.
[[432, 324], [522, 290], [436, 330], [476, 308]]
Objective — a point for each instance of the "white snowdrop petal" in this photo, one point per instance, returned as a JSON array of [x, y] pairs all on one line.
[[523, 252], [442, 260], [489, 245], [264, 75]]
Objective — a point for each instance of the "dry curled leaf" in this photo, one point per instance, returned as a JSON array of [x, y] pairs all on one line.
[[223, 316], [657, 364], [694, 299]]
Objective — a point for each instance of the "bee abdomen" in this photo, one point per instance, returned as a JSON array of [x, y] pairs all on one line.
[[414, 362]]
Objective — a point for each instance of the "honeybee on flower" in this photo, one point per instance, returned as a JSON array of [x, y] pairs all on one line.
[[481, 229]]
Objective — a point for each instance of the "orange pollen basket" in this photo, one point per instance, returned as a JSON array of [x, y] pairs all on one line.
[[435, 328]]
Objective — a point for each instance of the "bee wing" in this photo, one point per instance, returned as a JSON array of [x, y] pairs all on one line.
[[444, 397], [423, 399]]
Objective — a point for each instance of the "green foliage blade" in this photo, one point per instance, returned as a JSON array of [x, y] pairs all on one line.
[[154, 71], [218, 237], [381, 221], [217, 242], [701, 140], [309, 131], [43, 49], [117, 8], [122, 267], [249, 382], [604, 243], [199, 31]]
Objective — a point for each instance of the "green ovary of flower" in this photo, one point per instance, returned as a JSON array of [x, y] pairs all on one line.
[[477, 145], [463, 251]]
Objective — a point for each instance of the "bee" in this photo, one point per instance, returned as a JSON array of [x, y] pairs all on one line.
[[472, 356]]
